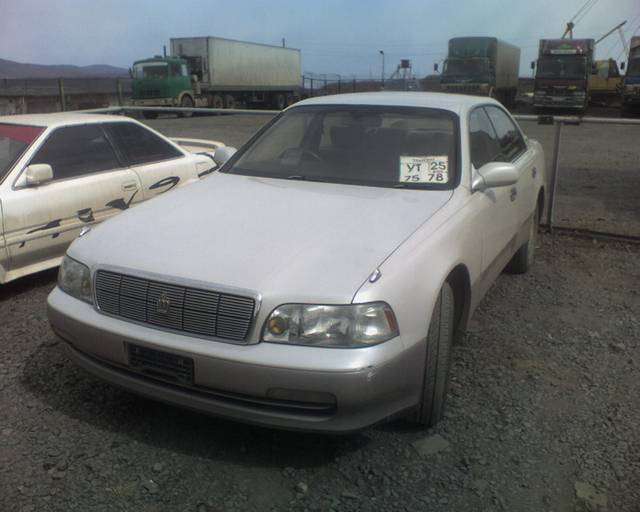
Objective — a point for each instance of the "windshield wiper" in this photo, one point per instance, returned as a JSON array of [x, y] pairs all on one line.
[[300, 177]]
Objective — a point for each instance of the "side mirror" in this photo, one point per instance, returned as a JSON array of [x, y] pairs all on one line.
[[435, 66], [221, 155], [38, 174], [495, 174], [622, 66], [533, 64]]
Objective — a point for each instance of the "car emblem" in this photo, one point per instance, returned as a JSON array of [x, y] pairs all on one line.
[[163, 304]]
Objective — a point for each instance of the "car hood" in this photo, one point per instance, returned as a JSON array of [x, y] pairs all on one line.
[[295, 240]]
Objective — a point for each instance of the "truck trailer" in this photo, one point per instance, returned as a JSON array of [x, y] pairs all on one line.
[[218, 73], [562, 74], [631, 84], [483, 66]]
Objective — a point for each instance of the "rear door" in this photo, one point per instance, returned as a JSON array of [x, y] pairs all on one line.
[[90, 184], [158, 163]]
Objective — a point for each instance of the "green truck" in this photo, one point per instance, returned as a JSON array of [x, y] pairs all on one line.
[[217, 73]]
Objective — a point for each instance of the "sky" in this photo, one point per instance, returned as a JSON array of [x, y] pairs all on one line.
[[342, 37]]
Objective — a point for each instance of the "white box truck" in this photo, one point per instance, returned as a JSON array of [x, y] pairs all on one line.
[[219, 73]]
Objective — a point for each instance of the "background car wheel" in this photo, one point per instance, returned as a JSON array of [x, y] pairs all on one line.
[[186, 102], [438, 359], [149, 115], [523, 259]]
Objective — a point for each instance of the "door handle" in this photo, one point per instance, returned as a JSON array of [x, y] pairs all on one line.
[[129, 185], [513, 194]]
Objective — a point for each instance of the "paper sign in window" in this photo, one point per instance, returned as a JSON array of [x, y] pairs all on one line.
[[424, 169]]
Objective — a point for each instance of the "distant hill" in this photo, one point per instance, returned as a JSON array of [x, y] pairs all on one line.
[[11, 69]]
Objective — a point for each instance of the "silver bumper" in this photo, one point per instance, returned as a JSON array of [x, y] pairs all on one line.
[[305, 388]]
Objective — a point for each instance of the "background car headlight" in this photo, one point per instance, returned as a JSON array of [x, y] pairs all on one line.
[[75, 279], [353, 325]]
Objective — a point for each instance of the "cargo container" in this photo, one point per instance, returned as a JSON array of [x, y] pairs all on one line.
[[562, 74], [484, 66], [219, 73]]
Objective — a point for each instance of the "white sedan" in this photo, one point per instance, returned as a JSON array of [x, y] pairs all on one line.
[[61, 172], [318, 280]]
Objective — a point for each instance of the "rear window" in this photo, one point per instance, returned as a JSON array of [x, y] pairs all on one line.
[[14, 140], [362, 145]]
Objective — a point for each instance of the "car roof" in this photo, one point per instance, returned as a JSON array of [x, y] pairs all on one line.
[[458, 103], [60, 119]]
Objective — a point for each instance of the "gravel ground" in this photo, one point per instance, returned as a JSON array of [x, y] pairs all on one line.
[[544, 415]]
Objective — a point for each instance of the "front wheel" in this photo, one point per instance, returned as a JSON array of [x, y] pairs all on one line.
[[438, 359], [186, 102]]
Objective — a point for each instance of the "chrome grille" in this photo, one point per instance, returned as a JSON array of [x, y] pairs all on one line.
[[170, 306]]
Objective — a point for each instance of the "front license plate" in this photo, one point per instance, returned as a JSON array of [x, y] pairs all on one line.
[[161, 365]]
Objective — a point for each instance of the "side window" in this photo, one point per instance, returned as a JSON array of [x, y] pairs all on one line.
[[76, 150], [482, 139], [139, 145], [511, 142]]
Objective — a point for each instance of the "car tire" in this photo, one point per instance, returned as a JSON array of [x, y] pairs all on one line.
[[438, 359], [523, 259], [186, 102], [149, 115]]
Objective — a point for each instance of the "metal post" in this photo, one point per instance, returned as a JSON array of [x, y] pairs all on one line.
[[311, 87], [119, 91], [554, 174], [63, 102], [325, 87], [354, 85], [339, 82]]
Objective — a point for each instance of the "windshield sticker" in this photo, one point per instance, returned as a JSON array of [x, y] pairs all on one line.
[[424, 169]]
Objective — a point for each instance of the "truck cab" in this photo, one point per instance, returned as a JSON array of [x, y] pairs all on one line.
[[563, 73], [161, 82], [631, 84]]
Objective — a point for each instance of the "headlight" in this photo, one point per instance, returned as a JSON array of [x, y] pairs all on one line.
[[74, 278], [348, 326]]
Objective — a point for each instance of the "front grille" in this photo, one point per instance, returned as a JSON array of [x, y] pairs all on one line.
[[170, 306]]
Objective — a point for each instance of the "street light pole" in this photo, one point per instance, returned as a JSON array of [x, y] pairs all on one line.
[[382, 53]]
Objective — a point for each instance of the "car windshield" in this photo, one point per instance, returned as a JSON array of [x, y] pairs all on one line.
[[362, 145], [14, 140], [565, 67], [151, 70], [466, 67]]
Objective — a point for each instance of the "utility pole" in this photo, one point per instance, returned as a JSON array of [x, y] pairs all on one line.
[[382, 53], [283, 42]]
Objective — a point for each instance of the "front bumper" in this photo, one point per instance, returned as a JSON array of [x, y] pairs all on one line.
[[551, 101], [154, 102], [293, 387]]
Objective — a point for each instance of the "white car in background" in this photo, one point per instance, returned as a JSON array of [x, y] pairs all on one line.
[[317, 280], [61, 172]]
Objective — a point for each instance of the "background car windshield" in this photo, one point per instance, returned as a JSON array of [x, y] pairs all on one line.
[[151, 70], [381, 146], [14, 139]]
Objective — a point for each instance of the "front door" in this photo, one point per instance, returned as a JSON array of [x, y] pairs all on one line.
[[89, 185]]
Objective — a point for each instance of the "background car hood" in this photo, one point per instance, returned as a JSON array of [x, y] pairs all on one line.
[[298, 240]]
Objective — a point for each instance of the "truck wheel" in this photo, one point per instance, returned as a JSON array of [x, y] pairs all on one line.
[[279, 101], [186, 102], [438, 359], [147, 114], [229, 101], [523, 259], [216, 101]]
